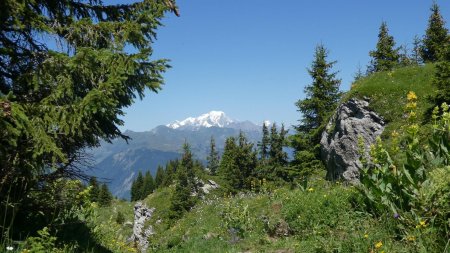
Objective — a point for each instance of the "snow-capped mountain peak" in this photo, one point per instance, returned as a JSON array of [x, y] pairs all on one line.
[[210, 119]]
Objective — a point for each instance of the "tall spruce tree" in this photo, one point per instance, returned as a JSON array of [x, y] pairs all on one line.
[[213, 157], [322, 94], [228, 167], [105, 197], [442, 78], [149, 185], [57, 101], [416, 51], [137, 187], [95, 189], [386, 56], [238, 164], [436, 36], [182, 199], [159, 177], [264, 144], [321, 99]]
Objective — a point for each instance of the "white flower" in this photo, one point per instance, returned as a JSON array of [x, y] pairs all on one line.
[[9, 248]]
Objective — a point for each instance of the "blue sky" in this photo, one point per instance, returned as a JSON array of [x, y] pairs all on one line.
[[248, 58]]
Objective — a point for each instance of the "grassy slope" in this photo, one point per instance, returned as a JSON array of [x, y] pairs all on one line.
[[387, 92], [323, 219]]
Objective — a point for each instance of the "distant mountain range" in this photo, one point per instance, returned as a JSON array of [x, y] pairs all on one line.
[[119, 162]]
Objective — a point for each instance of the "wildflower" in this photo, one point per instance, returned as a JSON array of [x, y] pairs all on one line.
[[411, 96], [366, 236], [396, 215], [378, 245], [394, 134], [311, 189], [9, 248], [422, 223], [411, 238], [444, 107]]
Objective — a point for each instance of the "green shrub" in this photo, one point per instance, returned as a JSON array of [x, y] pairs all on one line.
[[414, 189]]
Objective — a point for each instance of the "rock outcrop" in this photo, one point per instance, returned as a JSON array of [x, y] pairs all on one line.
[[208, 186], [339, 141], [140, 234]]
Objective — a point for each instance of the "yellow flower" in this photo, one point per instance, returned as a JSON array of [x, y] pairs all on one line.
[[311, 189], [366, 236], [411, 96], [411, 238], [422, 224], [394, 134], [378, 245]]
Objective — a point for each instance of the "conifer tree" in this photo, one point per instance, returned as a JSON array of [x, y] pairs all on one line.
[[228, 167], [213, 157], [436, 36], [149, 185], [238, 163], [386, 56], [104, 197], [264, 144], [182, 199], [246, 160], [416, 51], [58, 101], [321, 96], [187, 164], [321, 99], [94, 193], [137, 187], [442, 78], [159, 178], [359, 73]]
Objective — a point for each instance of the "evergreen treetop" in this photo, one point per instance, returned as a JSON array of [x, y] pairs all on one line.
[[386, 56], [264, 144], [322, 94], [213, 157], [436, 36]]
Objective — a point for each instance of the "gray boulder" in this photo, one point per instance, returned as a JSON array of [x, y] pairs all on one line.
[[141, 234], [339, 141]]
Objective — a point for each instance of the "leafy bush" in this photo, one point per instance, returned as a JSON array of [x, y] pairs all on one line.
[[414, 188]]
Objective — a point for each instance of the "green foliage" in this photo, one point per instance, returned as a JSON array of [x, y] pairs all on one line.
[[182, 199], [142, 186], [236, 218], [159, 178], [213, 158], [238, 163], [120, 218], [149, 185], [42, 243], [442, 79], [137, 187], [400, 187], [386, 56], [322, 98], [56, 102], [436, 36], [95, 189], [105, 197], [386, 91], [263, 145]]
